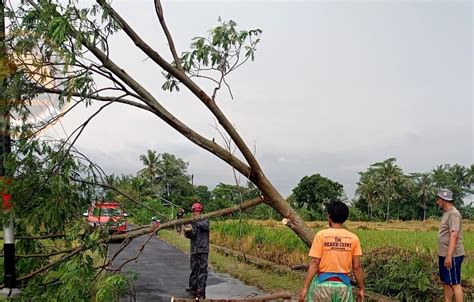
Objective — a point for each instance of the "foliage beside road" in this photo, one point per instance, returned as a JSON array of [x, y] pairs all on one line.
[[397, 254]]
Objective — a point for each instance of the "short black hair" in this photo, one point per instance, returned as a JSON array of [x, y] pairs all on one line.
[[337, 211]]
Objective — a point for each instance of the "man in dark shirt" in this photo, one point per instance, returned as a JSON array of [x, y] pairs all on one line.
[[198, 233]]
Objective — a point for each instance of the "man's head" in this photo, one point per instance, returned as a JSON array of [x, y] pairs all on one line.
[[196, 208], [337, 211], [444, 198]]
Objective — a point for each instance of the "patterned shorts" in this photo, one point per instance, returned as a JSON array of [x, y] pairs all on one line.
[[329, 291]]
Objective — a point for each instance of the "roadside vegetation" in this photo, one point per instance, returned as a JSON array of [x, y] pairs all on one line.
[[266, 279], [400, 258], [406, 246]]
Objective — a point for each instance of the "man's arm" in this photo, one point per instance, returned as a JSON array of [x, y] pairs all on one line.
[[359, 276], [312, 270], [202, 224], [453, 240]]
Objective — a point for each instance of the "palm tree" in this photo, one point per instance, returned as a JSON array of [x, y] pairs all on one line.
[[470, 173], [424, 187], [390, 177], [460, 176], [440, 176], [151, 161], [140, 187], [368, 189], [109, 180], [170, 173]]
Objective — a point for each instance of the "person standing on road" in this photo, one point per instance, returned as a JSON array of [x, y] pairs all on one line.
[[335, 252], [179, 215], [198, 233], [450, 247]]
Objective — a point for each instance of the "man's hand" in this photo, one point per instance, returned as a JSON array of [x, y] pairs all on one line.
[[360, 295], [448, 262], [302, 295], [188, 227]]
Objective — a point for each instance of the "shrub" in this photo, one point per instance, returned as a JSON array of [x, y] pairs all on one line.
[[408, 275], [356, 215]]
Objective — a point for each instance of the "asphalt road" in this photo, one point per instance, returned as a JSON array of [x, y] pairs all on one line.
[[163, 272]]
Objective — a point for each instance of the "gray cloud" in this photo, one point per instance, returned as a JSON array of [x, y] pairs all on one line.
[[335, 87]]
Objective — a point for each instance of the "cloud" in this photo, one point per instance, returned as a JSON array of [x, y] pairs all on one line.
[[323, 96]]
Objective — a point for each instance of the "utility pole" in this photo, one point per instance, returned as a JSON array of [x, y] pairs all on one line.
[[10, 289]]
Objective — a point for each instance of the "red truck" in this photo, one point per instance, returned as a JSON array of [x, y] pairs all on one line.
[[107, 215]]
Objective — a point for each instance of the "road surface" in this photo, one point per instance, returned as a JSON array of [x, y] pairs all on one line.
[[163, 272]]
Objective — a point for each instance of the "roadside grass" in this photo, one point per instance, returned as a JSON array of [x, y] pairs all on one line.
[[265, 279]]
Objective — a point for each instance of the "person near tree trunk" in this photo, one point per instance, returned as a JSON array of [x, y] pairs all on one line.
[[198, 233], [335, 253]]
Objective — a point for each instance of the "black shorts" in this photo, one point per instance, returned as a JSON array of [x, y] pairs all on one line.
[[453, 275]]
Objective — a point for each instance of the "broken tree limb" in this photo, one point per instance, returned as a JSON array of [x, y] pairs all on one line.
[[152, 229], [269, 297]]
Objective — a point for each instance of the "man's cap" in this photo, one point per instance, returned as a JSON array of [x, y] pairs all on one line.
[[196, 207], [445, 194]]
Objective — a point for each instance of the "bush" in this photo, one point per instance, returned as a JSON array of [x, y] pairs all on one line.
[[356, 215], [407, 275], [142, 216], [310, 214]]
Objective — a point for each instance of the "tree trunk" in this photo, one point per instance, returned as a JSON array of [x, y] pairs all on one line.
[[388, 209], [274, 199]]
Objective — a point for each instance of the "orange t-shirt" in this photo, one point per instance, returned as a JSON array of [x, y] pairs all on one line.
[[335, 248]]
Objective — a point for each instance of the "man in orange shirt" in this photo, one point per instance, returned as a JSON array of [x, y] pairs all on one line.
[[335, 252]]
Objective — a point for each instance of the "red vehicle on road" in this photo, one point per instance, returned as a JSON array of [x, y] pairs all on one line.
[[107, 215]]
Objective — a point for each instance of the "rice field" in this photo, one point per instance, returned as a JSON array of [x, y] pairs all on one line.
[[272, 241]]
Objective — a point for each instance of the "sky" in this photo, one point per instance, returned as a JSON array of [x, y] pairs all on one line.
[[335, 87]]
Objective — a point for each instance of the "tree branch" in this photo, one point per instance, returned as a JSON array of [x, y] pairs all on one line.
[[161, 17], [145, 230], [166, 116], [256, 171], [54, 263], [99, 98]]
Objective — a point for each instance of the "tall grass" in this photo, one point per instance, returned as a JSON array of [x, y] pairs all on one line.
[[272, 241]]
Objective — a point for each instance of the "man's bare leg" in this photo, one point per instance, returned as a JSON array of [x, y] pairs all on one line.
[[458, 294], [448, 293]]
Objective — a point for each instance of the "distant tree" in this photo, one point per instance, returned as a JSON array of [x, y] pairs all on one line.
[[408, 204], [470, 174], [228, 195], [173, 178], [140, 187], [203, 193], [425, 189], [369, 190], [109, 181], [167, 175], [151, 162], [315, 190], [390, 176], [456, 178]]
